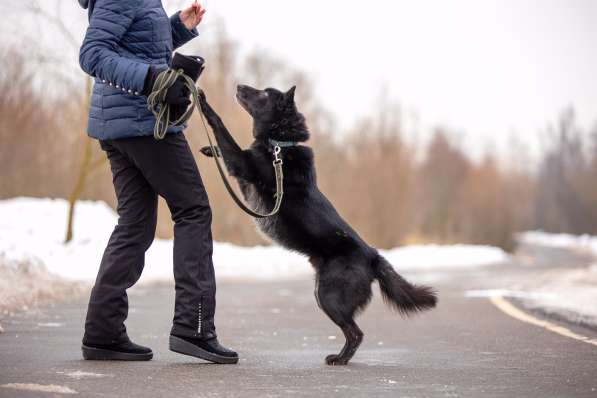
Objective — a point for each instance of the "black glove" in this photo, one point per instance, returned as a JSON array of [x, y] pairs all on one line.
[[177, 96], [192, 65]]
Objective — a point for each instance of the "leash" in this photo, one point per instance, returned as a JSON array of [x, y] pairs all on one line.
[[161, 110]]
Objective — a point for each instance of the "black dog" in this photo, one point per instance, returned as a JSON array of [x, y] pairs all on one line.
[[307, 223]]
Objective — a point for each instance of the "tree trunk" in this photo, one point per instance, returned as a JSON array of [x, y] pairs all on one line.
[[88, 165]]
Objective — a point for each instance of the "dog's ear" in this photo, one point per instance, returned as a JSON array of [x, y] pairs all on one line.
[[290, 94]]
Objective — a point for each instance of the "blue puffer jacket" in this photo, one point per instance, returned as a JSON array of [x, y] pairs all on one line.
[[125, 37]]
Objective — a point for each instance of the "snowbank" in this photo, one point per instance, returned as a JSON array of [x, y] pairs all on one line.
[[583, 243], [568, 294], [33, 230], [25, 284], [437, 257]]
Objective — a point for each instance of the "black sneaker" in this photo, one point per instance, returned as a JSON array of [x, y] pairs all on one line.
[[119, 351], [209, 350]]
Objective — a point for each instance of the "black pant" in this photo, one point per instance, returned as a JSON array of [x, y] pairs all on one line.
[[142, 169]]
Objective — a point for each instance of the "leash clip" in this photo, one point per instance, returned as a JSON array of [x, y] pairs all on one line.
[[277, 158]]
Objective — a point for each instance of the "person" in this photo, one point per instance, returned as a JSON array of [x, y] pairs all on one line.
[[127, 44]]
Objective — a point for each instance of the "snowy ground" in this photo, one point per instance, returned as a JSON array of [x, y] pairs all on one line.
[[31, 247], [569, 293], [582, 243], [26, 284], [37, 267], [34, 229], [566, 294]]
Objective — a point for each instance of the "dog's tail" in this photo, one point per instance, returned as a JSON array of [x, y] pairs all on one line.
[[397, 292]]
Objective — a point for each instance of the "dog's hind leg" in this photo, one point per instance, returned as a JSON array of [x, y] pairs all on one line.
[[341, 299], [354, 337]]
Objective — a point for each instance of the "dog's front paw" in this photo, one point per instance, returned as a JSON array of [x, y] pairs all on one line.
[[336, 360], [206, 151], [201, 96]]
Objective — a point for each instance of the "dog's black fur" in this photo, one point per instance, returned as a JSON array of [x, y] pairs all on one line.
[[307, 222]]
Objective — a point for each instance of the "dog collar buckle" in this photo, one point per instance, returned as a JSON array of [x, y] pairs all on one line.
[[283, 144], [277, 158]]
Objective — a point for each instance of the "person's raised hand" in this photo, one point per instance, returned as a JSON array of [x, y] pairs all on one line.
[[192, 16]]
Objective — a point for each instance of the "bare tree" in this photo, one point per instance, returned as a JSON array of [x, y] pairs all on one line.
[[89, 161], [560, 206], [389, 190]]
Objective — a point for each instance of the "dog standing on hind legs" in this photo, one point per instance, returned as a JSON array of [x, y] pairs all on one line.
[[307, 222]]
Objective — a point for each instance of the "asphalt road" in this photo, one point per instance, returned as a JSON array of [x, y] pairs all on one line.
[[464, 348]]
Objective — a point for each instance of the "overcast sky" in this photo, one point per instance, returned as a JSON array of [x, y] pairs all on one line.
[[483, 67], [488, 67]]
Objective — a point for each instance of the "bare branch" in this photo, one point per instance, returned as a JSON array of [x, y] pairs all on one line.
[[56, 21]]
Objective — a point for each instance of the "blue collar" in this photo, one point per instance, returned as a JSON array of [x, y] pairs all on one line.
[[283, 144]]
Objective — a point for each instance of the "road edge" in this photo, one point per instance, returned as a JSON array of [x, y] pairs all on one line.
[[509, 309]]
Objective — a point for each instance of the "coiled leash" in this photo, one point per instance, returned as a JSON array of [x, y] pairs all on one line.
[[161, 110]]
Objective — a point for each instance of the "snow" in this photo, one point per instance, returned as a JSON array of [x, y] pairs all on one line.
[[438, 257], [584, 243], [569, 293], [26, 283], [50, 325], [78, 375], [32, 230]]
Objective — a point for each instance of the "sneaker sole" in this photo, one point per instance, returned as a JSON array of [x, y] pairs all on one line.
[[181, 346], [98, 354]]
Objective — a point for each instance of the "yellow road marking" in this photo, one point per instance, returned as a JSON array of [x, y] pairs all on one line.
[[514, 312]]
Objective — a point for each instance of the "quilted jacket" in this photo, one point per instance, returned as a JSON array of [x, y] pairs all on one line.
[[125, 37]]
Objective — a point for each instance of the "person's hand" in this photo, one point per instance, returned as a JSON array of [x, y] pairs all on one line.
[[192, 16], [177, 96]]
